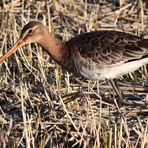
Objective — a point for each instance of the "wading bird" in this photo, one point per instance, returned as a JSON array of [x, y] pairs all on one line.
[[94, 55]]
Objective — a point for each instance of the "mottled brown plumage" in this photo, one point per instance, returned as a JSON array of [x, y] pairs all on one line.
[[94, 55], [104, 50], [109, 47]]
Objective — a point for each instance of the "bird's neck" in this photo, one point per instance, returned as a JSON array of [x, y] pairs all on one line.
[[55, 48]]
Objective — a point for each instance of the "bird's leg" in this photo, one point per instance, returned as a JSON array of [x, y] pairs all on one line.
[[116, 88]]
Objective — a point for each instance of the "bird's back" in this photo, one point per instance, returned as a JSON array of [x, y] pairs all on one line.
[[97, 50]]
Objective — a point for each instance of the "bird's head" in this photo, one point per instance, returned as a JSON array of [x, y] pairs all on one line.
[[31, 33]]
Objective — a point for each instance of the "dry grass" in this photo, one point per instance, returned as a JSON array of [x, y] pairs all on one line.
[[33, 111]]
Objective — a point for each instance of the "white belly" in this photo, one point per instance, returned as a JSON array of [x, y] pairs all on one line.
[[100, 72]]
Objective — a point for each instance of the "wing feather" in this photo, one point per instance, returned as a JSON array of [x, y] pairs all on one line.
[[109, 47]]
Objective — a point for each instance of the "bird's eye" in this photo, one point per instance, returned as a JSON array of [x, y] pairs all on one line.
[[30, 31]]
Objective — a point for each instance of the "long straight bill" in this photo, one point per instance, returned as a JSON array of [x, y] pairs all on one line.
[[16, 46]]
